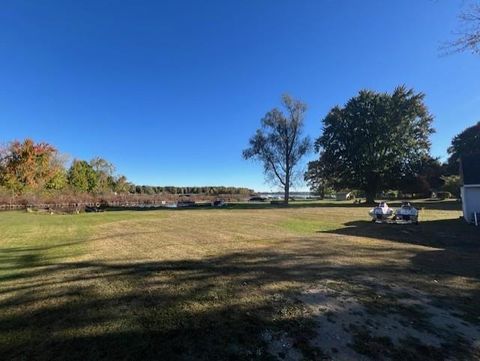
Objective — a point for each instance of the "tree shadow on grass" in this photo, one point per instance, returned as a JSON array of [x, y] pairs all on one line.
[[452, 249], [215, 308], [206, 310], [454, 245], [450, 233], [14, 259]]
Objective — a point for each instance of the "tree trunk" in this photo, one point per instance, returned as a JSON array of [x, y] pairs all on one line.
[[286, 196], [287, 193], [321, 192], [370, 193]]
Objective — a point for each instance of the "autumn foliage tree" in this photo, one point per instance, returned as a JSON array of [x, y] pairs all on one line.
[[30, 165], [36, 171]]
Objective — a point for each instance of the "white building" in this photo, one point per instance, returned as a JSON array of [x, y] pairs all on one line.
[[470, 189]]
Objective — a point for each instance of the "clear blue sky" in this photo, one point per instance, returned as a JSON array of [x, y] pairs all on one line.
[[170, 91]]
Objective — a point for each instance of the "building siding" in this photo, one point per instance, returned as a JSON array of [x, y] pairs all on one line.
[[470, 202]]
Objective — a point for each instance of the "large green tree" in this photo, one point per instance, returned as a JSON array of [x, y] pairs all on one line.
[[375, 140], [317, 179], [279, 144], [82, 177], [452, 184], [465, 143], [426, 177]]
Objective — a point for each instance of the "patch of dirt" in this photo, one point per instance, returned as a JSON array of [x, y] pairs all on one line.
[[359, 321]]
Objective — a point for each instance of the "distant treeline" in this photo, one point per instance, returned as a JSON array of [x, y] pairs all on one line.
[[209, 190], [38, 171]]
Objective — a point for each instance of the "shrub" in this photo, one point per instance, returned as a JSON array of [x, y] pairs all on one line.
[[391, 195], [444, 195], [451, 185]]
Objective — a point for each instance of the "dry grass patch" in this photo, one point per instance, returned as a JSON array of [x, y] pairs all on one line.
[[234, 284]]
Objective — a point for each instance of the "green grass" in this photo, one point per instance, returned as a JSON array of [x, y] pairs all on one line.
[[32, 240], [208, 283], [305, 226]]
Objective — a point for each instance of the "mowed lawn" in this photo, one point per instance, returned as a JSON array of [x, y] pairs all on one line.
[[314, 281]]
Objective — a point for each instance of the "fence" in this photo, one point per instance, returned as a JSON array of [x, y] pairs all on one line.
[[81, 205]]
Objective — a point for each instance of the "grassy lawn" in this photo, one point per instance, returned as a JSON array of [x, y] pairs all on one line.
[[313, 281]]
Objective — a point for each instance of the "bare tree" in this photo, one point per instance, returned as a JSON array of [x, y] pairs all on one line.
[[279, 144], [104, 171], [468, 34]]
